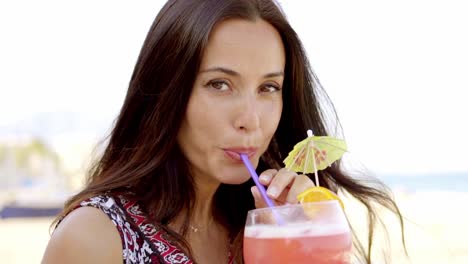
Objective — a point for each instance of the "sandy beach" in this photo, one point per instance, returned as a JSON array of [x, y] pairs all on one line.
[[23, 240], [436, 231], [435, 228]]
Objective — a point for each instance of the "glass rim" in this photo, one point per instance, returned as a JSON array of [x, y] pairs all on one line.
[[286, 206]]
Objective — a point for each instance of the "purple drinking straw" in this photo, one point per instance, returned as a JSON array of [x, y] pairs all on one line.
[[254, 175]]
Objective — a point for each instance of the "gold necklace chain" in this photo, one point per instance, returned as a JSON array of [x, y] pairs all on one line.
[[196, 229]]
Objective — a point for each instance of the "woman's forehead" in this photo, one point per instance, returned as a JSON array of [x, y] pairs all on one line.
[[244, 46]]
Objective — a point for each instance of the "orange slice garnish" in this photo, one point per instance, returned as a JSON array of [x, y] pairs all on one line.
[[318, 194]]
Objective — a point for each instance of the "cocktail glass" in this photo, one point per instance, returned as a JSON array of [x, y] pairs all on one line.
[[316, 232]]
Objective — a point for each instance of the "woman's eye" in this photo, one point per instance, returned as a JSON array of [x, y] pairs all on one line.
[[218, 85], [270, 88]]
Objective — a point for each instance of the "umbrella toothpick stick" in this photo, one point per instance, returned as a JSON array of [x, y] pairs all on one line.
[[310, 134], [315, 170]]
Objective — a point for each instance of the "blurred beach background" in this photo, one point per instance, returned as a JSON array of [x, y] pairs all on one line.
[[396, 72]]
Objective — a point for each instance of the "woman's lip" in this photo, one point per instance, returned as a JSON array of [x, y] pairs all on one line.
[[234, 153]]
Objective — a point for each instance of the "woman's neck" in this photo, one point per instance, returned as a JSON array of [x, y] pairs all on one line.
[[203, 228], [202, 213]]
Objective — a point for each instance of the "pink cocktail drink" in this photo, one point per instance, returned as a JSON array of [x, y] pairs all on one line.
[[295, 245], [309, 233]]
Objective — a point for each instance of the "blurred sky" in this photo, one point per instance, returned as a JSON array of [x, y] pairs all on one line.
[[395, 70]]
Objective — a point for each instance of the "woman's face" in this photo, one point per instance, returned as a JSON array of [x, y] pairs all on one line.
[[236, 101]]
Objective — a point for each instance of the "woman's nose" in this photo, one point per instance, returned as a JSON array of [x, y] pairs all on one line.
[[248, 116]]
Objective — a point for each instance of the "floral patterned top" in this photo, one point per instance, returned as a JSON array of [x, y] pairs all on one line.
[[142, 242]]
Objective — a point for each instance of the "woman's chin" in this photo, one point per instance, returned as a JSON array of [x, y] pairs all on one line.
[[235, 178]]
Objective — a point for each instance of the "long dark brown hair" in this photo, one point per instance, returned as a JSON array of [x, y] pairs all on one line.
[[142, 155]]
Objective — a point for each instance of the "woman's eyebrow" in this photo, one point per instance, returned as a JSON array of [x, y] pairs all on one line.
[[234, 73], [274, 74]]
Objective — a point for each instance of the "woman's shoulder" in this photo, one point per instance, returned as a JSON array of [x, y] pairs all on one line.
[[85, 235]]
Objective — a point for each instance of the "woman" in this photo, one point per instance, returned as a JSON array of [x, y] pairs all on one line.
[[214, 79]]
